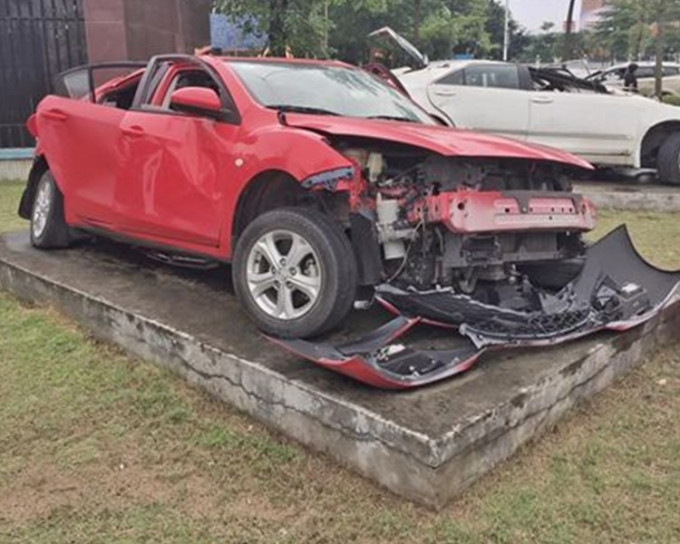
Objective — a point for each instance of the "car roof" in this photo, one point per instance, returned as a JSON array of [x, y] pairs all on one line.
[[439, 68], [463, 63], [645, 63], [282, 60]]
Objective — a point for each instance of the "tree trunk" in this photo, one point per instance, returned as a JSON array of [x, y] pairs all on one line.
[[277, 27]]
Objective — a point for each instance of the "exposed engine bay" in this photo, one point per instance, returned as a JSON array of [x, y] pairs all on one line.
[[472, 225]]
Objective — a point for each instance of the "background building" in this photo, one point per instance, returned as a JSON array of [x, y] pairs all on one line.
[[591, 11]]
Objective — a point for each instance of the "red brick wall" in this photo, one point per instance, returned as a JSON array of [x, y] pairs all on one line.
[[138, 29]]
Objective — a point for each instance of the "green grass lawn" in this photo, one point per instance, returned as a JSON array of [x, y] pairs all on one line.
[[98, 447], [10, 193]]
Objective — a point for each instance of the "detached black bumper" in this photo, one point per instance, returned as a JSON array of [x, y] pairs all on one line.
[[615, 290]]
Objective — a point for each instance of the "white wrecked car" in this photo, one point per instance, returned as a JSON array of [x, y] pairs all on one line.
[[545, 106]]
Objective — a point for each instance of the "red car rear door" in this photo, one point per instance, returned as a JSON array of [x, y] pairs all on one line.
[[172, 185], [81, 141]]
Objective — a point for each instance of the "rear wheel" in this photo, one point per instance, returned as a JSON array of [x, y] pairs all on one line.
[[295, 273], [669, 159], [48, 226]]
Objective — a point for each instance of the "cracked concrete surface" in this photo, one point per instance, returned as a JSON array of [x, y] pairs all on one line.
[[631, 196], [426, 445]]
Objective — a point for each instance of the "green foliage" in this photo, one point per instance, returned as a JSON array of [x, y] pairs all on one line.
[[9, 203], [444, 28], [672, 99], [296, 25], [339, 28], [627, 30], [455, 28]]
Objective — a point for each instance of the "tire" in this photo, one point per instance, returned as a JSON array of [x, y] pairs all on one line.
[[669, 160], [48, 226], [302, 298]]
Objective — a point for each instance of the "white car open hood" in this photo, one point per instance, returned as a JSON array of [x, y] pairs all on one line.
[[386, 33]]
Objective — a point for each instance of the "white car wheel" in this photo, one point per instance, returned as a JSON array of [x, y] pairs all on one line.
[[669, 160]]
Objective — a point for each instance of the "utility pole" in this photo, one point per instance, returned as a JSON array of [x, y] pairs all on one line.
[[567, 53], [660, 43], [506, 31], [417, 4]]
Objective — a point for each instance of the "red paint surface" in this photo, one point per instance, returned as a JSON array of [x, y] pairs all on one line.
[[446, 141], [468, 211]]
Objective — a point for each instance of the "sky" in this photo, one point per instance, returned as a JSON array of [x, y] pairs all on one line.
[[532, 13]]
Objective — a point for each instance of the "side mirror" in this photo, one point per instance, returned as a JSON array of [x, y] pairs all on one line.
[[197, 101]]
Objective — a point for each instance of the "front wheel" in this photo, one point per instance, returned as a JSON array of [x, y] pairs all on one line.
[[295, 273], [48, 226], [669, 160]]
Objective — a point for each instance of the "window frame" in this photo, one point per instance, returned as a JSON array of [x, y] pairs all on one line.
[[464, 73], [157, 72], [461, 71]]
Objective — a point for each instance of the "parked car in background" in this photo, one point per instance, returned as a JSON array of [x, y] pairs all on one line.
[[547, 106], [613, 77]]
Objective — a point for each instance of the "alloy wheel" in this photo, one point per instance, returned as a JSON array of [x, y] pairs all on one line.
[[41, 208], [283, 275]]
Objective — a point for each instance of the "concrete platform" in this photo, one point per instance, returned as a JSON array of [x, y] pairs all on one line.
[[621, 195], [426, 445]]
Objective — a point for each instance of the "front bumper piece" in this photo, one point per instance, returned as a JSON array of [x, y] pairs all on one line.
[[615, 290]]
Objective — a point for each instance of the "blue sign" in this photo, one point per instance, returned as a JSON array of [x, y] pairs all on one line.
[[229, 35]]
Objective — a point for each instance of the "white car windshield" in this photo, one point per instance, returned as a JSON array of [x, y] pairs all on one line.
[[325, 90]]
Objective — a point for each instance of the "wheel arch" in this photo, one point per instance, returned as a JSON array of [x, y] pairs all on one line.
[[40, 166], [652, 141], [266, 191]]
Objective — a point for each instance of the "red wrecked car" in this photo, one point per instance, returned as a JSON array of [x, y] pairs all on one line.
[[325, 188]]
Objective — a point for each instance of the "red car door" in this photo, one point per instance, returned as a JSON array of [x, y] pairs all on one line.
[[171, 187], [82, 143]]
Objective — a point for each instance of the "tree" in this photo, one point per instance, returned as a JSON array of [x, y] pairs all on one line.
[[296, 24], [353, 20], [519, 39], [664, 11], [547, 26], [626, 27]]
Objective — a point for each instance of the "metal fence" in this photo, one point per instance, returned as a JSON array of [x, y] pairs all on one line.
[[38, 39]]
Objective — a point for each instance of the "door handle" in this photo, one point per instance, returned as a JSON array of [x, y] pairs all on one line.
[[445, 92], [55, 115], [135, 131], [542, 100]]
